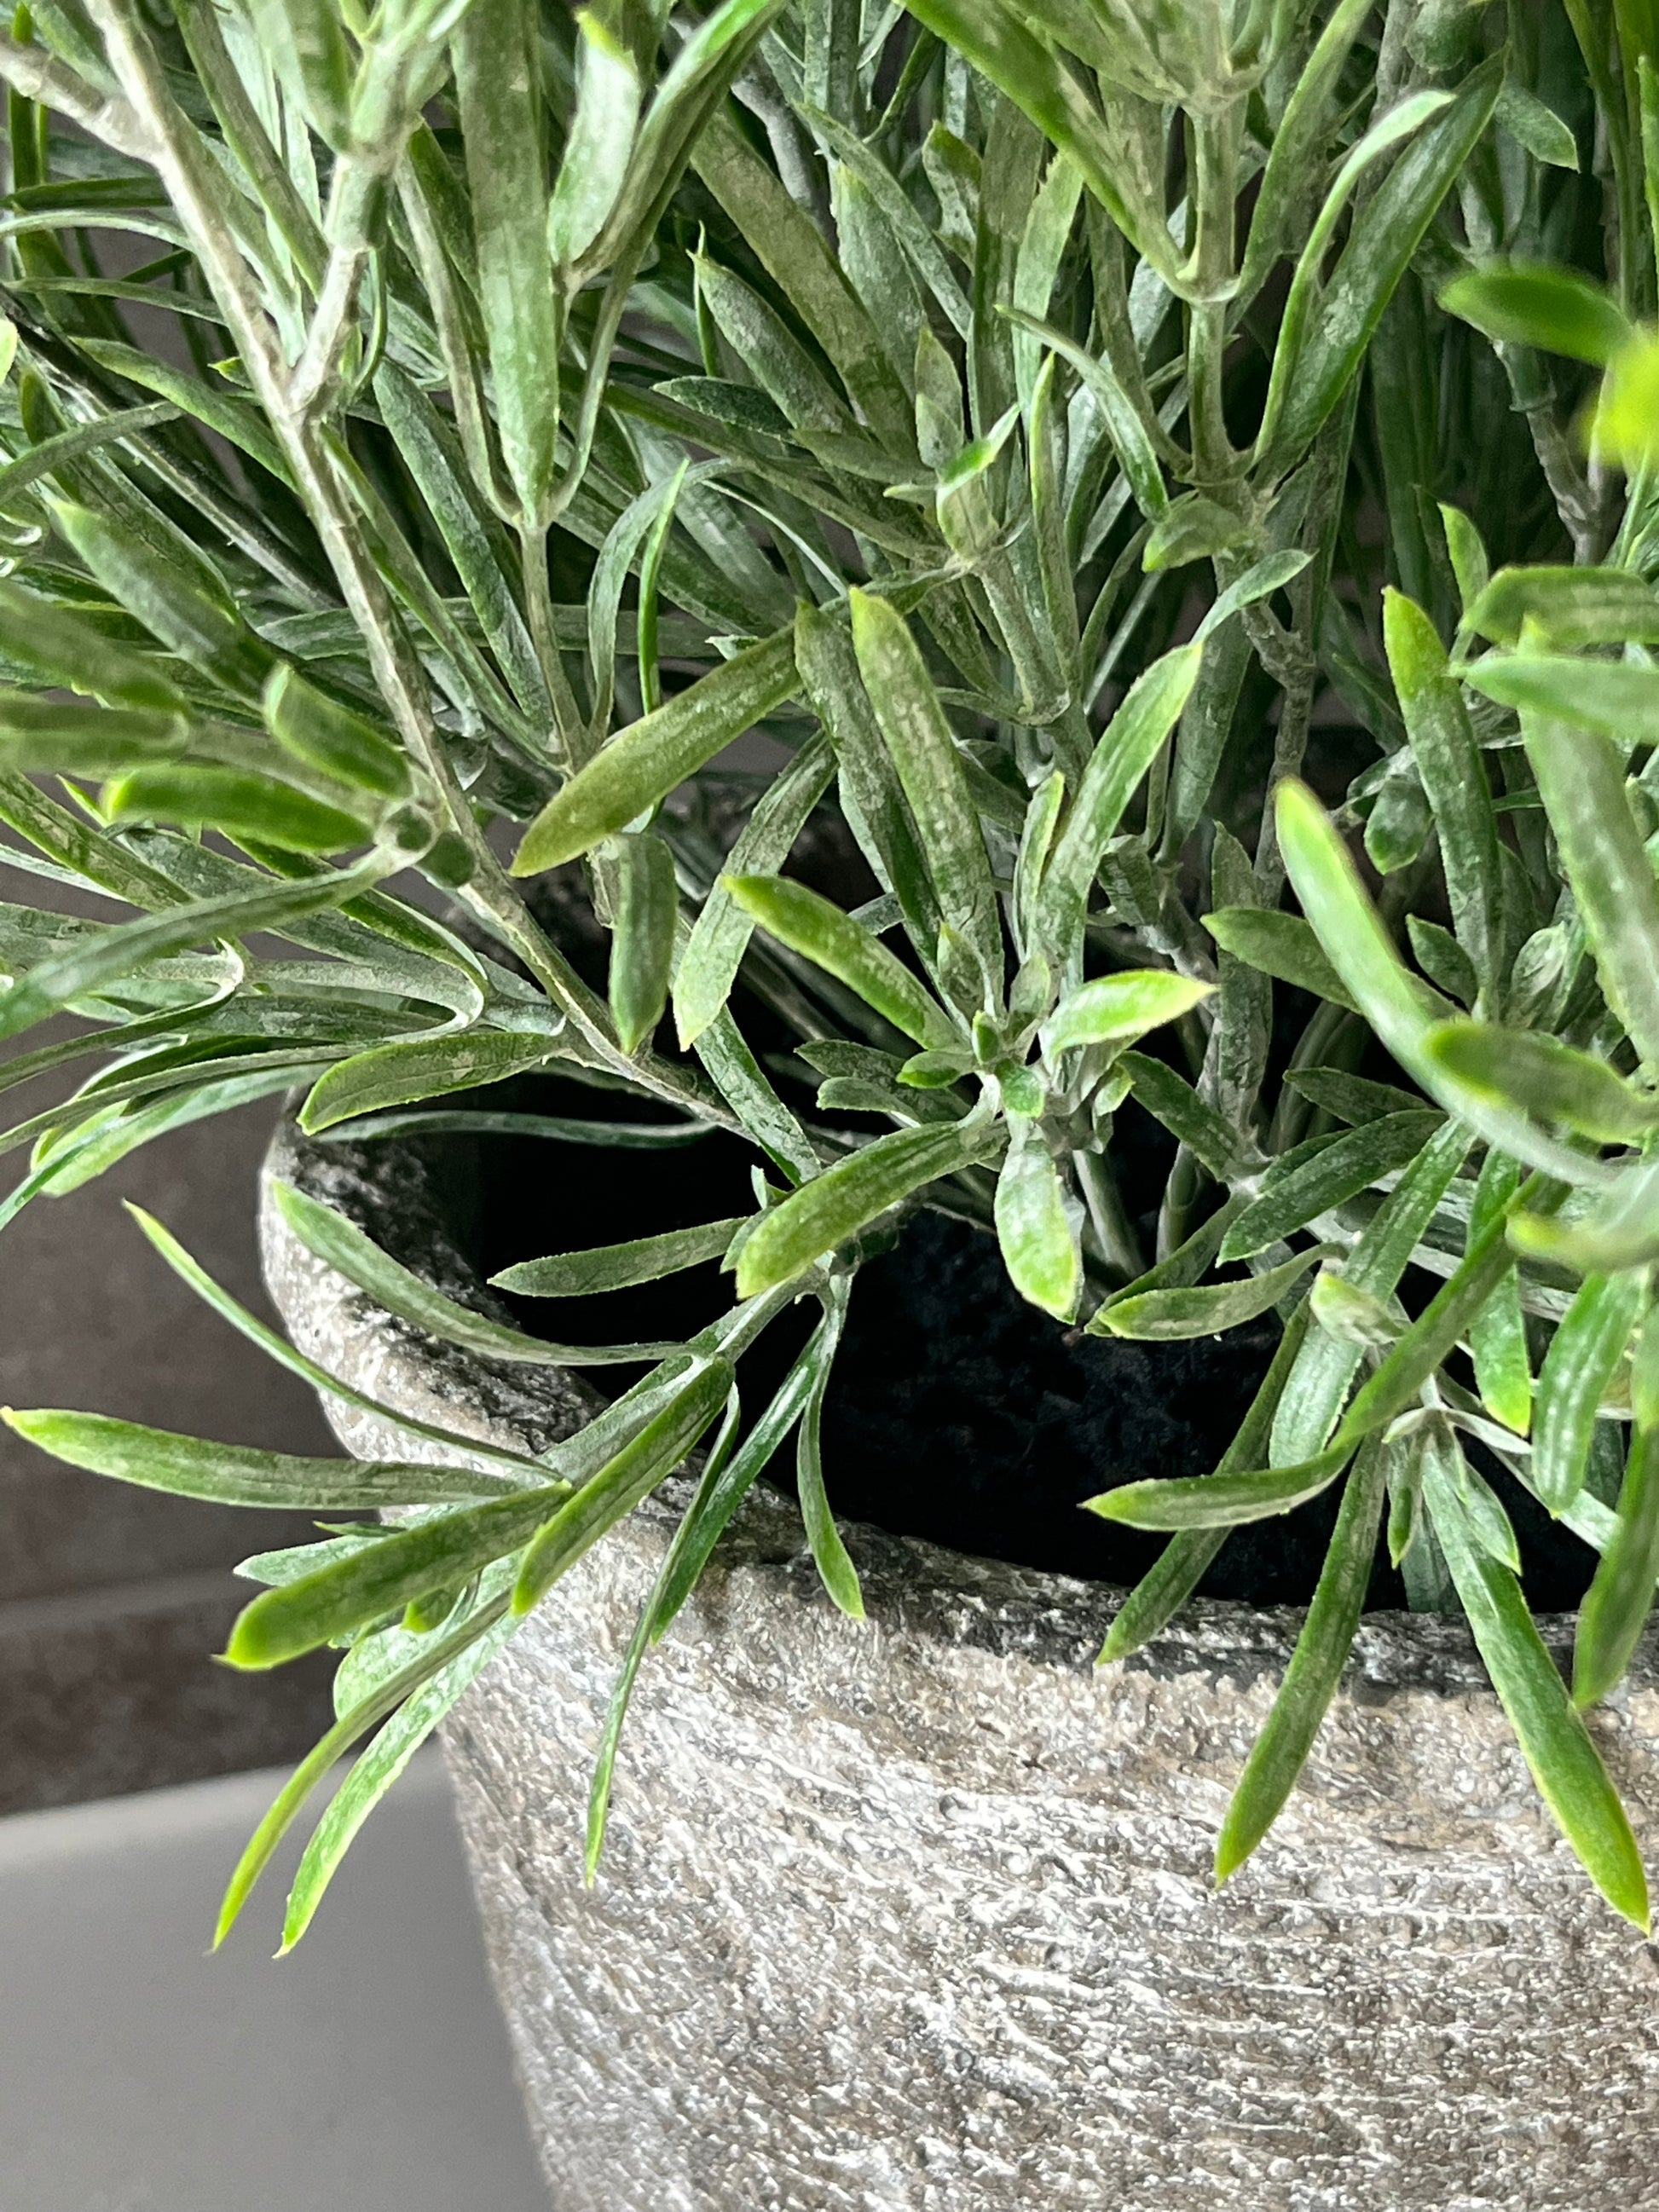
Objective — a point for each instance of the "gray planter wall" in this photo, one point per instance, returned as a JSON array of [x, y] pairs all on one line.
[[917, 1917]]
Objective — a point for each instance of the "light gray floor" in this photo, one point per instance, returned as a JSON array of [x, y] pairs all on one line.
[[368, 2073]]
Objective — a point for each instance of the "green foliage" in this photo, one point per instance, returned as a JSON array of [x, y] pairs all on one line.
[[980, 416]]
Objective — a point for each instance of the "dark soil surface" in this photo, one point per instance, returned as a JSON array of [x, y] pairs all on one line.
[[957, 1412]]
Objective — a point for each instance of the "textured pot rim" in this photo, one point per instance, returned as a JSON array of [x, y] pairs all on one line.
[[389, 1189]]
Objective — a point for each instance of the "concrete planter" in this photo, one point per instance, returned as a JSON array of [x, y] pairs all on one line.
[[918, 1917]]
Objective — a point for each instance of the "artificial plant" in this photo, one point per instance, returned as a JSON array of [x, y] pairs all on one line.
[[1074, 436]]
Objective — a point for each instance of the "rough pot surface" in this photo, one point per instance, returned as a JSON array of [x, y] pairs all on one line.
[[918, 1917]]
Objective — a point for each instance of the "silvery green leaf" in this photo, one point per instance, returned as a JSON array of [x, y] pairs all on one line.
[[644, 762], [1497, 1334], [1450, 763], [234, 1474], [1564, 1762], [1166, 1315], [423, 1068], [1121, 758], [840, 1202], [818, 930], [601, 138], [1351, 1163], [1280, 1752], [496, 72], [1352, 1316], [1573, 1380], [1581, 780], [1279, 945], [1115, 1007], [935, 785], [617, 1267], [1036, 1229], [642, 939], [1619, 1601]]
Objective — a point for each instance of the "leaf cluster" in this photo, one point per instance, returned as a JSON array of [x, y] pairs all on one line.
[[1163, 492]]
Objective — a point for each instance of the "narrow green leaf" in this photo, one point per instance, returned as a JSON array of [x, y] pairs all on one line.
[[421, 1067], [1351, 1098], [930, 769], [830, 1554], [557, 1128], [172, 600], [793, 250], [642, 942], [1324, 1374], [644, 761], [1181, 1564], [496, 74], [1566, 607], [377, 1768], [1535, 125], [1034, 1228], [1297, 145], [1220, 1501], [1577, 1367], [1497, 1334], [1280, 1752], [234, 1474], [1616, 697], [600, 140], [1467, 551], [1532, 1073], [1581, 780], [1620, 1229], [714, 950], [247, 807], [1126, 1004], [620, 1484], [91, 963], [1350, 1164], [62, 648], [1450, 763], [520, 1467], [325, 735], [832, 941], [621, 1692], [617, 1267], [385, 1698], [1563, 1761], [872, 798], [1125, 751], [1163, 1316], [299, 1616], [1211, 1140], [1398, 1007], [1333, 339], [1282, 945], [724, 1487], [1130, 434], [1617, 1605], [836, 1204], [766, 1120], [50, 737]]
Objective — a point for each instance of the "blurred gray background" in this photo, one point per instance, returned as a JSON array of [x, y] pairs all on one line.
[[113, 1599]]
